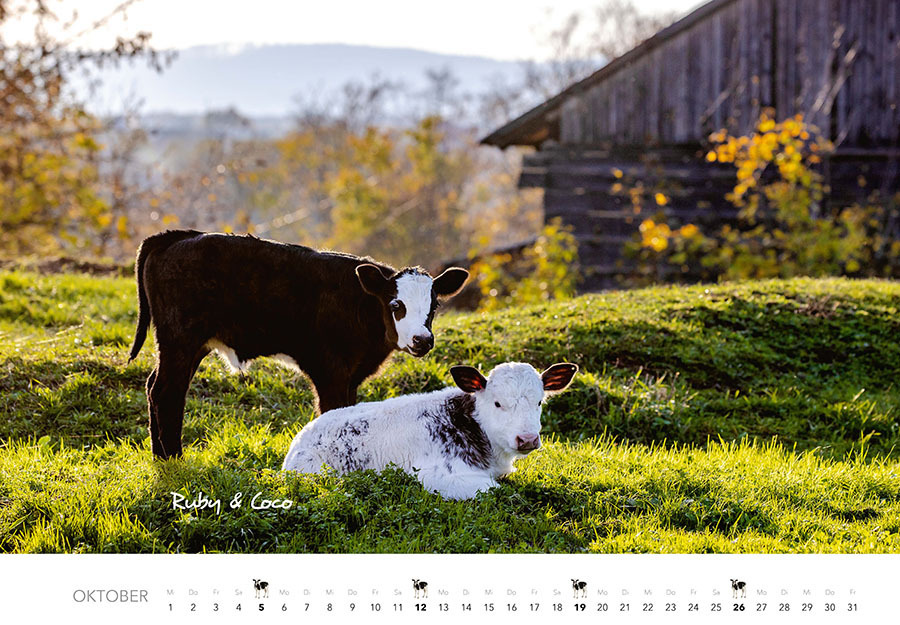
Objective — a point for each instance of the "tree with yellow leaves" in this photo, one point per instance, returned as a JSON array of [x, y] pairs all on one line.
[[49, 182], [785, 229]]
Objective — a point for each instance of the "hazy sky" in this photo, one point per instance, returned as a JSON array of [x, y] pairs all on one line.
[[503, 29]]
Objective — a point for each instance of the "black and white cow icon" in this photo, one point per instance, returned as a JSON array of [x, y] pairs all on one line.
[[261, 588], [421, 589], [738, 586], [579, 586]]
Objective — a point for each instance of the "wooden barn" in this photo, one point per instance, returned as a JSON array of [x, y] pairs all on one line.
[[645, 117]]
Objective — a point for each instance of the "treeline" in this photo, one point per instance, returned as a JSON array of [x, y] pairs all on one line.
[[355, 172]]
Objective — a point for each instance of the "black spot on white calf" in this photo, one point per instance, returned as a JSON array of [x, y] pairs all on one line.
[[330, 315], [345, 447], [453, 427]]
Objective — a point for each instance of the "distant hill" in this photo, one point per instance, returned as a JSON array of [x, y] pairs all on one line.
[[264, 80]]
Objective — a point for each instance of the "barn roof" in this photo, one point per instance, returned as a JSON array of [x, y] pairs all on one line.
[[541, 122]]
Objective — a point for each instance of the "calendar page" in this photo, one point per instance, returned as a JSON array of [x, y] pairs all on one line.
[[446, 588], [460, 311]]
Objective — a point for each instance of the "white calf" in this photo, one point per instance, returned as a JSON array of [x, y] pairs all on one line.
[[456, 441]]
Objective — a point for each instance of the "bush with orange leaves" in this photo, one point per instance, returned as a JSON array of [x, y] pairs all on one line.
[[545, 270], [784, 228]]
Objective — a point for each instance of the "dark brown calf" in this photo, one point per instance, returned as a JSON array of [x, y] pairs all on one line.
[[334, 316]]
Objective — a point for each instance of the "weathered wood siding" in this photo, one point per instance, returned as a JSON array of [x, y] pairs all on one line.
[[589, 190], [835, 61]]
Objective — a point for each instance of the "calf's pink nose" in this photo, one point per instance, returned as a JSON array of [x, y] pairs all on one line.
[[528, 442]]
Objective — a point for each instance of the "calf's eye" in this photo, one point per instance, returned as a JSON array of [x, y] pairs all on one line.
[[395, 305]]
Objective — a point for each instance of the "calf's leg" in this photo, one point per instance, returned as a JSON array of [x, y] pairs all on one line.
[[456, 485], [166, 397], [334, 391], [154, 420], [330, 399]]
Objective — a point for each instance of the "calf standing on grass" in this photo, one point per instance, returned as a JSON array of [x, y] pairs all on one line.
[[456, 441], [335, 317]]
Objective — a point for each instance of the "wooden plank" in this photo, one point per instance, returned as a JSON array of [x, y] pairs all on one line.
[[653, 132], [625, 91], [849, 101], [781, 55], [767, 68], [639, 107], [793, 48], [861, 105], [854, 83], [755, 65], [804, 39], [879, 103], [641, 104], [789, 57], [702, 44], [732, 76], [692, 78], [602, 111], [750, 99], [587, 112], [822, 60], [665, 90], [807, 41], [569, 122], [717, 70], [706, 86], [601, 94], [839, 108], [892, 70], [679, 108], [615, 125], [738, 71]]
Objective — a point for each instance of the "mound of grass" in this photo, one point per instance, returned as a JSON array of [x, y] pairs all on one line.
[[759, 416], [590, 496]]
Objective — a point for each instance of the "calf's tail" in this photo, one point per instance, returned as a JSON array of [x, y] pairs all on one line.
[[151, 244]]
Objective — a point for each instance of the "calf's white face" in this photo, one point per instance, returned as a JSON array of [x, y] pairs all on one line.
[[411, 297], [417, 303], [508, 402]]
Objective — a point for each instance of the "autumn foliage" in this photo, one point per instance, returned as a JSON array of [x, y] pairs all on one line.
[[786, 228]]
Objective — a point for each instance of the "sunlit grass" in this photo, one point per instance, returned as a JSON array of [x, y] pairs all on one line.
[[760, 417]]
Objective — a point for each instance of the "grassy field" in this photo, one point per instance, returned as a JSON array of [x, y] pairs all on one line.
[[752, 417]]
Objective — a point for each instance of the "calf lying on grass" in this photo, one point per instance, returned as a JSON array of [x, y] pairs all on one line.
[[456, 441], [334, 316]]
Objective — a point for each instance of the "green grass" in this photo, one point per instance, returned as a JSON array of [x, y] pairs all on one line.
[[750, 417]]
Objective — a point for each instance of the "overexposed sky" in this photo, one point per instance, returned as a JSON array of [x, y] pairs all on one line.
[[501, 29]]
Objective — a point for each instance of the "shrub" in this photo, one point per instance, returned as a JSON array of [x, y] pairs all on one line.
[[547, 270], [785, 228]]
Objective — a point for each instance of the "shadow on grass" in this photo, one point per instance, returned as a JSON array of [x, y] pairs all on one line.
[[87, 402]]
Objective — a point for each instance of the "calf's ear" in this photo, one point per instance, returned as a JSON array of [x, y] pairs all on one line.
[[450, 282], [468, 379], [372, 280], [557, 377]]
